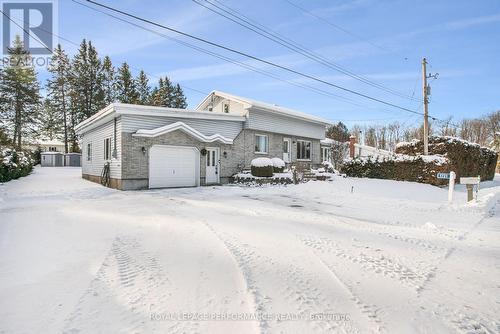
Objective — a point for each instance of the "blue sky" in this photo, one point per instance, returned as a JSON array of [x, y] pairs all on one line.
[[461, 40]]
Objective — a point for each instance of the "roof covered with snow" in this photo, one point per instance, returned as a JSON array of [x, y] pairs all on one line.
[[269, 107], [108, 113]]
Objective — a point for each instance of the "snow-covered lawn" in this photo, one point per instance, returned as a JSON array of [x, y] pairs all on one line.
[[348, 256]]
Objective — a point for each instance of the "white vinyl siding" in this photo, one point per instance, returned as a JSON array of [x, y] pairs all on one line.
[[229, 129], [95, 138], [269, 122], [261, 144], [304, 150]]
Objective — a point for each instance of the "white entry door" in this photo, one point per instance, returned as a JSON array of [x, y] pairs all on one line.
[[213, 165], [287, 150], [173, 166]]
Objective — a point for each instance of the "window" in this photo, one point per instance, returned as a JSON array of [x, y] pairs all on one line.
[[107, 149], [226, 108], [325, 154], [261, 144], [89, 152], [303, 150]]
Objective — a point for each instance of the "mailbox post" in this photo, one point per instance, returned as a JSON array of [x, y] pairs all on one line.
[[469, 184]]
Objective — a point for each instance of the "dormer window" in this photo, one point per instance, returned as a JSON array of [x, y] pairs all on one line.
[[226, 108]]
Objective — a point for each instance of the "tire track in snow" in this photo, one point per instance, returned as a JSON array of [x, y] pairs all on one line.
[[129, 285], [242, 261], [293, 285], [370, 311]]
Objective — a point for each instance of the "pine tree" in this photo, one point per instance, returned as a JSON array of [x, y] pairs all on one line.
[[179, 100], [19, 93], [58, 95], [126, 86], [168, 93], [52, 123], [143, 89], [109, 80], [156, 95], [163, 95]]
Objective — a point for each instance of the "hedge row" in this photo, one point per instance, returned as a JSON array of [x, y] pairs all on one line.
[[14, 164], [466, 158], [399, 168]]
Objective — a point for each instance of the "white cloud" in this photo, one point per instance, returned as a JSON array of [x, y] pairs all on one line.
[[472, 21]]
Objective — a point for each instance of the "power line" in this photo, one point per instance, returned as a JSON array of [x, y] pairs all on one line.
[[336, 26], [246, 22], [132, 67], [235, 62], [282, 67]]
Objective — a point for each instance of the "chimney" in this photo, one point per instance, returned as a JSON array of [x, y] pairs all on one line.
[[352, 141]]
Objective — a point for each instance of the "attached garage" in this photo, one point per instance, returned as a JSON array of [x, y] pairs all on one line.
[[173, 166]]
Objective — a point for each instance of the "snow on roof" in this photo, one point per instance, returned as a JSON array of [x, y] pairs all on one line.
[[135, 109], [250, 103], [49, 142]]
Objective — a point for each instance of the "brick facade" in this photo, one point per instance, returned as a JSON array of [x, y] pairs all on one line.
[[135, 162]]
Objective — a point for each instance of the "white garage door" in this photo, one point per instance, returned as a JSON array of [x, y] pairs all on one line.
[[172, 166]]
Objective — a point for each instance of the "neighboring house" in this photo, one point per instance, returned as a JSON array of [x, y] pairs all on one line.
[[155, 147], [47, 145]]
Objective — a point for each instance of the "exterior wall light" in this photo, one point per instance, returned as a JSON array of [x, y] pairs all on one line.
[[143, 150], [224, 154]]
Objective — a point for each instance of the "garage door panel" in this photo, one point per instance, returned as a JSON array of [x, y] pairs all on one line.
[[173, 166]]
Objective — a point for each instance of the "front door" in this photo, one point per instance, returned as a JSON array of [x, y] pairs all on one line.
[[212, 165], [287, 150]]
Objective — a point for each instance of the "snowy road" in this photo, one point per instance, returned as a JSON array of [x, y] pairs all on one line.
[[390, 257]]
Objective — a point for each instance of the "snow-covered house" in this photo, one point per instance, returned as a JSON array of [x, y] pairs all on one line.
[[154, 147]]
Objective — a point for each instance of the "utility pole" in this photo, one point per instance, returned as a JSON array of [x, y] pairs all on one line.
[[426, 107]]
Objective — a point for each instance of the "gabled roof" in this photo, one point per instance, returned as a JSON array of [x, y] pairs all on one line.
[[184, 128], [272, 108], [107, 114]]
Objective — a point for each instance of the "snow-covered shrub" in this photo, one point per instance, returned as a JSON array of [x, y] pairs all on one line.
[[466, 158], [328, 166], [278, 165], [262, 167], [14, 164], [399, 167]]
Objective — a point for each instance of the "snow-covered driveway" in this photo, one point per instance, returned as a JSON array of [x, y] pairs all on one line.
[[348, 256]]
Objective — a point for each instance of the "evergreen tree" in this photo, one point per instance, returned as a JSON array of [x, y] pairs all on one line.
[[167, 95], [179, 100], [155, 94], [109, 80], [58, 95], [126, 86], [87, 81], [143, 89], [52, 123], [163, 95], [338, 132], [19, 93]]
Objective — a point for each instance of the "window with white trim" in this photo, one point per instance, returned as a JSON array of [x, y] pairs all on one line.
[[303, 150], [89, 152], [107, 149], [226, 108], [261, 144], [325, 154]]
